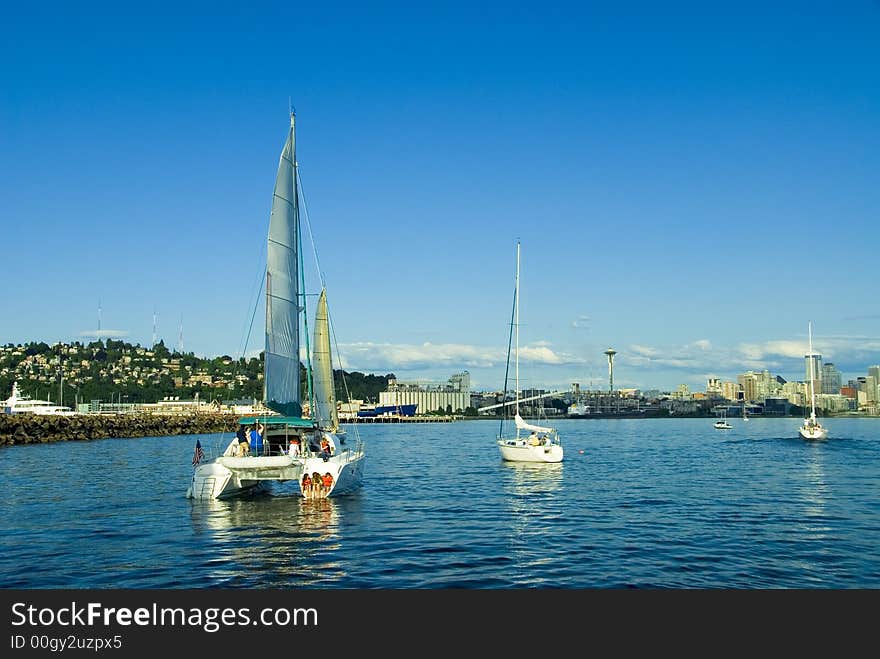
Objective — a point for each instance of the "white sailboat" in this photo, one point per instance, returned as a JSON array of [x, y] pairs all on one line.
[[722, 423], [811, 428], [542, 444], [292, 447]]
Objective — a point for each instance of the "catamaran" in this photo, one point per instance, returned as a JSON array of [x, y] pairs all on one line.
[[309, 449]]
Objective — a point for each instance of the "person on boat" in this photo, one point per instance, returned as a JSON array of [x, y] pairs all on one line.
[[326, 447], [244, 448], [256, 437], [317, 485], [307, 485], [327, 482], [294, 447], [533, 439]]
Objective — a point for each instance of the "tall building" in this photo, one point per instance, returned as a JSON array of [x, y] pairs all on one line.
[[748, 381], [461, 381], [731, 390], [713, 387], [830, 379]]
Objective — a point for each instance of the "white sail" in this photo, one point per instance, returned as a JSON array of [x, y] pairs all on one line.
[[325, 396], [282, 378], [522, 424]]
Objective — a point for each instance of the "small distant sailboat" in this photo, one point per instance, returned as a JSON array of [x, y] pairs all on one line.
[[811, 428], [543, 443], [722, 423]]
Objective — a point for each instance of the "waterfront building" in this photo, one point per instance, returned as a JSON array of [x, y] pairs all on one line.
[[731, 390], [748, 383], [429, 397], [713, 388], [795, 393], [830, 379]]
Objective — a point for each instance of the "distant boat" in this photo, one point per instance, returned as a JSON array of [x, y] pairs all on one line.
[[578, 410], [19, 403], [722, 423], [543, 443], [811, 428], [384, 410], [294, 446]]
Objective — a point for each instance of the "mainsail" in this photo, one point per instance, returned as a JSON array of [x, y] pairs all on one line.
[[281, 383], [325, 397]]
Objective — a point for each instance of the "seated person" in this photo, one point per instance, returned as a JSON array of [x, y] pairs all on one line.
[[533, 440], [327, 482]]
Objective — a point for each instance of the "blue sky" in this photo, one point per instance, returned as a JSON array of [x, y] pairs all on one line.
[[691, 184]]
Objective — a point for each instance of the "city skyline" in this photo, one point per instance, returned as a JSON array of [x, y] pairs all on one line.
[[691, 185]]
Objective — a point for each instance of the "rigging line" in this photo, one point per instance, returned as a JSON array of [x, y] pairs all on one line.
[[309, 376], [323, 285], [507, 366], [309, 227], [341, 370], [254, 314]]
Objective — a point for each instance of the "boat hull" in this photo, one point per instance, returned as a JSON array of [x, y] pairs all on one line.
[[228, 477], [513, 450], [346, 471], [817, 433]]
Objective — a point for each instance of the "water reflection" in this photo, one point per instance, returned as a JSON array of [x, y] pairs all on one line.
[[531, 478], [271, 541], [530, 490], [815, 491]]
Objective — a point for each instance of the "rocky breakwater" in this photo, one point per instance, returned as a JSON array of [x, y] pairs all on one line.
[[36, 429]]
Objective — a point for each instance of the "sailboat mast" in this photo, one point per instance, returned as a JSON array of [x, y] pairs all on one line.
[[516, 325], [812, 374]]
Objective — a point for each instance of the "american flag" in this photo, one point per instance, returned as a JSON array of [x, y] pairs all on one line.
[[199, 453]]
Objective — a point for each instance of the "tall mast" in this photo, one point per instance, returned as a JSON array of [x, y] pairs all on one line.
[[812, 375], [516, 324]]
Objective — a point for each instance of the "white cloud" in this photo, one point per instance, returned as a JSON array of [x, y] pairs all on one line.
[[581, 322], [644, 351], [387, 356]]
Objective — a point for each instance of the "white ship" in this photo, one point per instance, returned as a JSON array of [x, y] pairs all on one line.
[[19, 403]]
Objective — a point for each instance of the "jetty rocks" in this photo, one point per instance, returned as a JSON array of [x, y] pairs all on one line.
[[37, 429]]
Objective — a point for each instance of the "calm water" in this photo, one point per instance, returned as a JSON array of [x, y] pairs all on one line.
[[649, 503]]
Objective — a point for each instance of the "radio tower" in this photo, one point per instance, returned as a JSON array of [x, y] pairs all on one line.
[[610, 353], [180, 336], [155, 336]]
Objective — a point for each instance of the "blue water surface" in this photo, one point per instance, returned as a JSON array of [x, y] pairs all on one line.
[[665, 503]]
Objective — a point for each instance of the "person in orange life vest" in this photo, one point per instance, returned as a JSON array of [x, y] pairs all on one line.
[[327, 481]]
